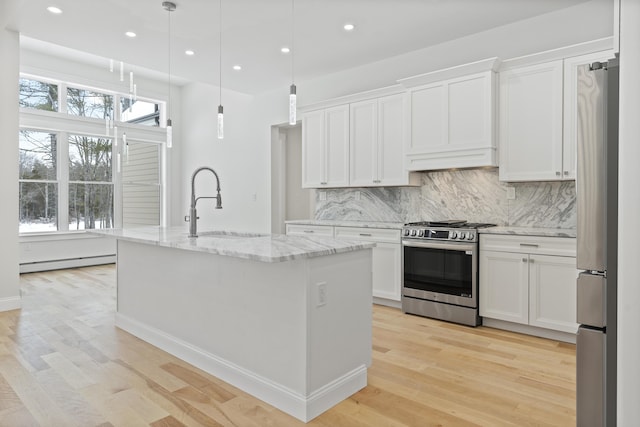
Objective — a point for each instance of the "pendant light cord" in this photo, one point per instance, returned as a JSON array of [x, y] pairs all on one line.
[[293, 31], [169, 59], [220, 50]]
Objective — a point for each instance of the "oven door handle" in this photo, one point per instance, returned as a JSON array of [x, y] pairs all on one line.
[[462, 247]]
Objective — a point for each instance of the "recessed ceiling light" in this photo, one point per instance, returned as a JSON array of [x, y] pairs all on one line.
[[189, 52], [285, 49], [55, 10], [237, 67], [349, 27], [130, 34]]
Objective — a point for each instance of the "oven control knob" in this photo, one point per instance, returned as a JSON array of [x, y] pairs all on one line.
[[453, 234], [470, 236], [463, 235], [413, 232], [406, 232], [420, 233]]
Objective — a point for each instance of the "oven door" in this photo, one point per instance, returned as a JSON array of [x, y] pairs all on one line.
[[441, 271]]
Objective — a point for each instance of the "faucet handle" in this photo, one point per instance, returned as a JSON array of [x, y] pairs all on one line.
[[187, 218]]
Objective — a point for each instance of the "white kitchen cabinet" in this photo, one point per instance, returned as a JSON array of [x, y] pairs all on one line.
[[537, 130], [452, 119], [529, 280], [309, 230], [376, 143], [325, 148], [531, 123], [387, 257]]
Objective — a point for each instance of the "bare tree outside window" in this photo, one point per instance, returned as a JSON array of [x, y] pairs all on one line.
[[90, 183], [38, 187], [38, 95], [86, 103]]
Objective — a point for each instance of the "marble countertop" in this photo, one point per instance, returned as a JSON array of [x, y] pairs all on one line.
[[530, 231], [253, 246], [337, 223]]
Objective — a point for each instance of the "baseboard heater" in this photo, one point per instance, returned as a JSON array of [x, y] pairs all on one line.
[[58, 264]]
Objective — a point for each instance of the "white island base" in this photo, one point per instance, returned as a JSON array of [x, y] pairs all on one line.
[[295, 334]]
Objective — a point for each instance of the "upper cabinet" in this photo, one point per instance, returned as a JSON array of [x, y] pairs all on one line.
[[356, 144], [537, 130], [452, 117], [377, 142], [325, 148]]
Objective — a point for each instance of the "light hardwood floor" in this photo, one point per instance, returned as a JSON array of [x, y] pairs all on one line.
[[63, 363]]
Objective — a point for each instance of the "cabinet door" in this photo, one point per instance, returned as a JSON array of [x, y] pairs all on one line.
[[313, 149], [387, 273], [470, 111], [337, 146], [531, 122], [391, 141], [428, 119], [552, 292], [503, 287], [364, 143]]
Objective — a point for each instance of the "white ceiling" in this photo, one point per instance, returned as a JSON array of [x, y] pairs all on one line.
[[253, 31]]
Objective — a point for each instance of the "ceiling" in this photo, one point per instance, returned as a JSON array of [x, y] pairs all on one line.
[[253, 31]]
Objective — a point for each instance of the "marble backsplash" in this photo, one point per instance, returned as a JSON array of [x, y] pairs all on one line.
[[475, 195]]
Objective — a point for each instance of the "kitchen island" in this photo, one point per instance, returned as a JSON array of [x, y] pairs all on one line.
[[285, 318]]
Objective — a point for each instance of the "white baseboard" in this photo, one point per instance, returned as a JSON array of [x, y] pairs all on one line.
[[10, 303], [304, 408], [387, 302], [530, 330], [34, 267]]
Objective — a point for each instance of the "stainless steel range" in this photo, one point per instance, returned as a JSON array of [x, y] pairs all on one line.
[[441, 270]]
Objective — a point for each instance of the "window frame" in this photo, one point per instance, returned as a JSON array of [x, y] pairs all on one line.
[[64, 124]]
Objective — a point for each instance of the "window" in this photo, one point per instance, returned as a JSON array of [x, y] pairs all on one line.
[[78, 177], [86, 103], [90, 183], [38, 185], [38, 95]]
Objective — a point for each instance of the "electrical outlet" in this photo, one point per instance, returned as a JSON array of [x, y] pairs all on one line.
[[511, 193], [322, 293], [322, 195]]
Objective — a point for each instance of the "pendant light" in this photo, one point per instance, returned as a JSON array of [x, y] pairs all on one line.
[[220, 108], [169, 7], [292, 88]]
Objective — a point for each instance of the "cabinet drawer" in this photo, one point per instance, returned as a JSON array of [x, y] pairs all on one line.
[[561, 246], [368, 234], [310, 230]]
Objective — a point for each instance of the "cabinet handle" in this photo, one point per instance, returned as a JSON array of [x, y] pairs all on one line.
[[566, 173], [308, 231], [531, 261], [366, 234], [558, 173], [323, 183], [524, 260], [529, 245]]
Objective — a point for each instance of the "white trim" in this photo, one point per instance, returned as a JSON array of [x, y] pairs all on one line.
[[598, 45], [11, 303], [530, 330], [489, 64], [356, 97], [33, 267], [300, 406]]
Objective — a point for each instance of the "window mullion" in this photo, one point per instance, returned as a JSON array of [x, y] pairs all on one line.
[[63, 181]]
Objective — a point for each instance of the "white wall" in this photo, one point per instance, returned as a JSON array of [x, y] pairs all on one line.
[[629, 212], [242, 163], [10, 54]]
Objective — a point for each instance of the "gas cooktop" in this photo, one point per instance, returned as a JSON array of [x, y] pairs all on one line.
[[450, 223]]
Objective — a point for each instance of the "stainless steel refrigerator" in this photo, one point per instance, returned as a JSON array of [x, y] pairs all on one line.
[[597, 231]]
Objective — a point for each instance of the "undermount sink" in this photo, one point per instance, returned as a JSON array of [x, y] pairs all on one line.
[[230, 235]]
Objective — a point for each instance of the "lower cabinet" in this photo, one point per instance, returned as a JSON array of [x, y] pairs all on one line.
[[529, 280], [387, 255]]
